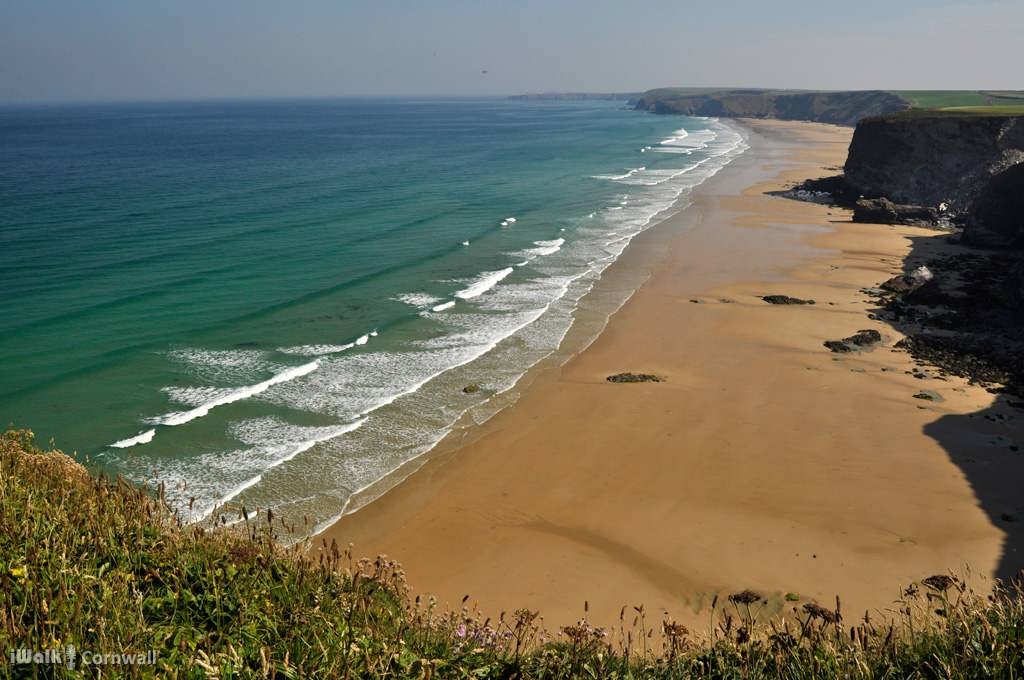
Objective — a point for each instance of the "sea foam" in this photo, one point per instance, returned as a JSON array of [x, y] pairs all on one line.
[[418, 299], [182, 417], [315, 350], [484, 283], [141, 438]]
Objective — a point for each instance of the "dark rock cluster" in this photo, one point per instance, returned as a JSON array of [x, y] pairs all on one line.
[[861, 340], [884, 211], [785, 300], [967, 319], [634, 378]]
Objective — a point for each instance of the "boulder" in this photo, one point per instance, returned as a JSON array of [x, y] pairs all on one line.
[[861, 340], [884, 211], [905, 283]]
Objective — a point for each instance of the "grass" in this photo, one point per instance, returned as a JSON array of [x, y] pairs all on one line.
[[105, 565], [940, 99], [972, 102], [996, 110], [953, 112]]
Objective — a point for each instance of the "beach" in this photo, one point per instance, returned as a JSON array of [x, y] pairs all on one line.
[[762, 461]]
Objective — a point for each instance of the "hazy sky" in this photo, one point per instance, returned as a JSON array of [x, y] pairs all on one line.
[[156, 49]]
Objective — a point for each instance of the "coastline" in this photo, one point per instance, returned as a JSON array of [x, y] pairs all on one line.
[[762, 462]]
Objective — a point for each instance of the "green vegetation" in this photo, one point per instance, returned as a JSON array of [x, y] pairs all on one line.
[[939, 99], [999, 110], [974, 102], [104, 565], [955, 112]]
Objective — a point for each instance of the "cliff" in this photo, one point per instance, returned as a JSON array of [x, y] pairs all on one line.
[[943, 167], [996, 217], [932, 157], [840, 108]]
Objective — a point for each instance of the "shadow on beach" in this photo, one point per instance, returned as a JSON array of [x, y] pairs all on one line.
[[968, 322]]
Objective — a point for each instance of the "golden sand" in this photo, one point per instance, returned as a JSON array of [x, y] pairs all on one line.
[[764, 461]]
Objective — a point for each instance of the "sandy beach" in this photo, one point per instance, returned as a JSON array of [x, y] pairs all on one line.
[[763, 460]]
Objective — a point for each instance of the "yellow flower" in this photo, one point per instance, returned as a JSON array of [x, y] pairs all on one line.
[[20, 573]]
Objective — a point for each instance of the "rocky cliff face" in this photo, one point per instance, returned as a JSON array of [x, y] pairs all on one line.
[[996, 217], [975, 165], [929, 158], [840, 108]]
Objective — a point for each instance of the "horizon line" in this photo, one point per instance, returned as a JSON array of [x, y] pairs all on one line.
[[16, 103]]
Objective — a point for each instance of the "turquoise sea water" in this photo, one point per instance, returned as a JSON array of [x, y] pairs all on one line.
[[277, 303]]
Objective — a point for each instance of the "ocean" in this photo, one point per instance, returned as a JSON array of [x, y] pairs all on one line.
[[279, 303]]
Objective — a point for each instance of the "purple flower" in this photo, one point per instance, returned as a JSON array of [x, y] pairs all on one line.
[[461, 631]]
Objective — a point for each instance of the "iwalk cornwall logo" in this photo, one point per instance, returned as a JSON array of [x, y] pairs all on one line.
[[69, 657]]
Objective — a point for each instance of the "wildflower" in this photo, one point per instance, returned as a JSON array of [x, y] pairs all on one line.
[[745, 597], [816, 611], [939, 582], [461, 631], [20, 573]]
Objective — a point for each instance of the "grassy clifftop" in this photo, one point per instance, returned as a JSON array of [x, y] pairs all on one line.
[[104, 566], [838, 107], [842, 108], [943, 99]]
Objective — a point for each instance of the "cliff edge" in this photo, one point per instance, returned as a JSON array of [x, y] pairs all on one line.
[[839, 108], [932, 157]]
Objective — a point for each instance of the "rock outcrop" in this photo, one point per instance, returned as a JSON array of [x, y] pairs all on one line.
[[931, 158], [861, 340], [884, 211], [840, 108], [996, 217], [906, 283]]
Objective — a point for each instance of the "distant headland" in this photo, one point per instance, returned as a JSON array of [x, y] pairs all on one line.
[[840, 107]]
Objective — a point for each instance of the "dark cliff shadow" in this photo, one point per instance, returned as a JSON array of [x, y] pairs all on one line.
[[969, 321]]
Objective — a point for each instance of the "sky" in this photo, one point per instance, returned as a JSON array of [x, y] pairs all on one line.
[[72, 50]]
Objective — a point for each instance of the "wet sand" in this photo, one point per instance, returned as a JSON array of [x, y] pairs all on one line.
[[763, 460]]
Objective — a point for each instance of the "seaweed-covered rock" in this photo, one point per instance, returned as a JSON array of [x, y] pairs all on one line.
[[634, 378], [861, 340], [785, 300]]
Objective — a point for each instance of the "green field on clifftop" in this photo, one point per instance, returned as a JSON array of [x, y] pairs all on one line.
[[1001, 110], [943, 99]]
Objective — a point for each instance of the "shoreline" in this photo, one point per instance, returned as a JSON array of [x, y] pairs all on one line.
[[761, 462], [616, 284]]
